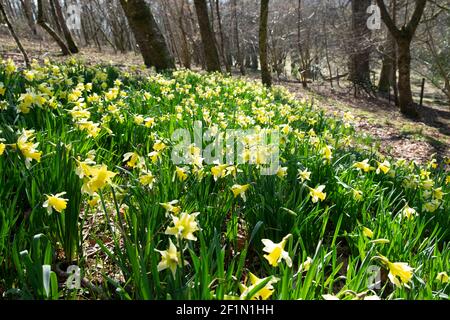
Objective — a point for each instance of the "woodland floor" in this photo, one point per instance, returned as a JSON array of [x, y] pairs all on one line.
[[396, 135]]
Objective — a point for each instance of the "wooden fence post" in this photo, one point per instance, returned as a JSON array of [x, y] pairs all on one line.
[[422, 91]]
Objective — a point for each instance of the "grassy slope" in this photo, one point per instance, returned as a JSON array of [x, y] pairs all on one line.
[[128, 222]]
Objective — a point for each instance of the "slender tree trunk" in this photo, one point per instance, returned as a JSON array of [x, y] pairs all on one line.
[[84, 28], [119, 32], [185, 52], [387, 68], [151, 41], [222, 40], [192, 26], [447, 89], [94, 29], [28, 10], [394, 62], [327, 55], [264, 16], [304, 60], [8, 7], [254, 58], [14, 35], [55, 16], [388, 75], [360, 56], [173, 46], [41, 21], [65, 30], [209, 47], [404, 77], [240, 58]]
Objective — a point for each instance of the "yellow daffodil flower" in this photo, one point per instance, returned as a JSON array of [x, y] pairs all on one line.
[[367, 232], [384, 167], [184, 226], [79, 113], [149, 122], [427, 184], [159, 146], [305, 266], [239, 190], [433, 164], [262, 294], [363, 165], [409, 212], [400, 273], [431, 206], [317, 193], [84, 168], [443, 277], [304, 175], [28, 148], [29, 74], [282, 172], [219, 171], [154, 156], [147, 178], [276, 251], [181, 173], [10, 67], [90, 127], [357, 194], [438, 194], [170, 259], [171, 207], [94, 200], [232, 170], [55, 202], [132, 158], [138, 119], [99, 178], [327, 153]]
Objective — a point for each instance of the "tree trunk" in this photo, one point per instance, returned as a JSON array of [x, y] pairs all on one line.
[[240, 58], [65, 30], [388, 75], [54, 17], [304, 52], [327, 55], [254, 58], [41, 21], [407, 106], [403, 38], [447, 90], [173, 48], [151, 41], [13, 33], [209, 47], [265, 72], [185, 52], [222, 39], [387, 69], [84, 28], [27, 8], [360, 56], [192, 26]]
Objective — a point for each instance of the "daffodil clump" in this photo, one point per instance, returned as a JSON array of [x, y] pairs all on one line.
[[90, 173]]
